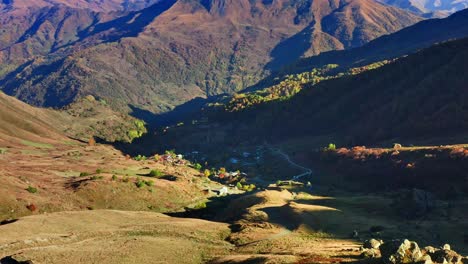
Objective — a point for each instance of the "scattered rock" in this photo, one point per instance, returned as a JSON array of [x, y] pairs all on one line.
[[446, 247], [429, 250], [370, 253], [400, 252], [372, 243], [425, 259], [446, 256]]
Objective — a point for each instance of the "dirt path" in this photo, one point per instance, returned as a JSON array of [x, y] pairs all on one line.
[[307, 171]]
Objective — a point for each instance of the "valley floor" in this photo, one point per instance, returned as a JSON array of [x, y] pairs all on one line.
[[70, 202]]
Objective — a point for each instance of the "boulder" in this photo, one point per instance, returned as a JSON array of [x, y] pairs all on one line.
[[400, 252], [370, 253], [429, 250], [425, 259], [372, 243], [446, 256]]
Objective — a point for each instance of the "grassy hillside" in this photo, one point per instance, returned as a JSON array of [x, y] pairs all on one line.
[[85, 118]]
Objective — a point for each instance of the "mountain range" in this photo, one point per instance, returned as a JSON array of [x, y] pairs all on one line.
[[429, 8], [173, 51]]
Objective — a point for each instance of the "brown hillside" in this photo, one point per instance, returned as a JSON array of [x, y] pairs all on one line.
[[174, 51]]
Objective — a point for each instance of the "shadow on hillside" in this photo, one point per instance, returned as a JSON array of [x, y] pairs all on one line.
[[52, 97], [291, 49], [146, 145], [127, 26]]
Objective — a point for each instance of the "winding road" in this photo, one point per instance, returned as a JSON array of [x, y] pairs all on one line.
[[307, 171]]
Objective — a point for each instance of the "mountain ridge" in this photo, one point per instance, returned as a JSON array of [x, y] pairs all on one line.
[[165, 63]]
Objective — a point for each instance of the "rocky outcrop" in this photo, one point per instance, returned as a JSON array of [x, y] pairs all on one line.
[[399, 252], [408, 252]]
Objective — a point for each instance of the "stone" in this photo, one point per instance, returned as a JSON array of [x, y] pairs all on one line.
[[446, 256], [446, 247], [425, 259], [369, 253], [429, 250], [372, 243], [400, 252]]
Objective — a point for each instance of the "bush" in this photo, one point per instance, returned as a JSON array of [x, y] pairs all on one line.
[[155, 173], [31, 189], [207, 173], [197, 166], [84, 174], [249, 188], [125, 179], [99, 171], [140, 158], [140, 183], [149, 183], [96, 177], [331, 147], [201, 205], [239, 186]]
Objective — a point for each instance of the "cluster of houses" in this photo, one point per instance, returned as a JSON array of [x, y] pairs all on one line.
[[172, 159]]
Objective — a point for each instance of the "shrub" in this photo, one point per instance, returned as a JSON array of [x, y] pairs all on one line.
[[84, 174], [249, 188], [97, 177], [207, 173], [125, 179], [155, 173], [99, 171], [331, 147], [3, 151], [114, 177], [197, 166], [140, 158], [31, 189], [201, 205], [140, 183], [239, 186], [170, 153], [149, 183]]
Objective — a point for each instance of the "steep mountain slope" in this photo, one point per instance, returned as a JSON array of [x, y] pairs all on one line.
[[429, 7], [403, 42], [174, 51], [81, 120], [94, 5], [23, 122], [419, 97]]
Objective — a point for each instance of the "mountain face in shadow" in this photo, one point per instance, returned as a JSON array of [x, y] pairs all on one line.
[[177, 50], [403, 42]]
